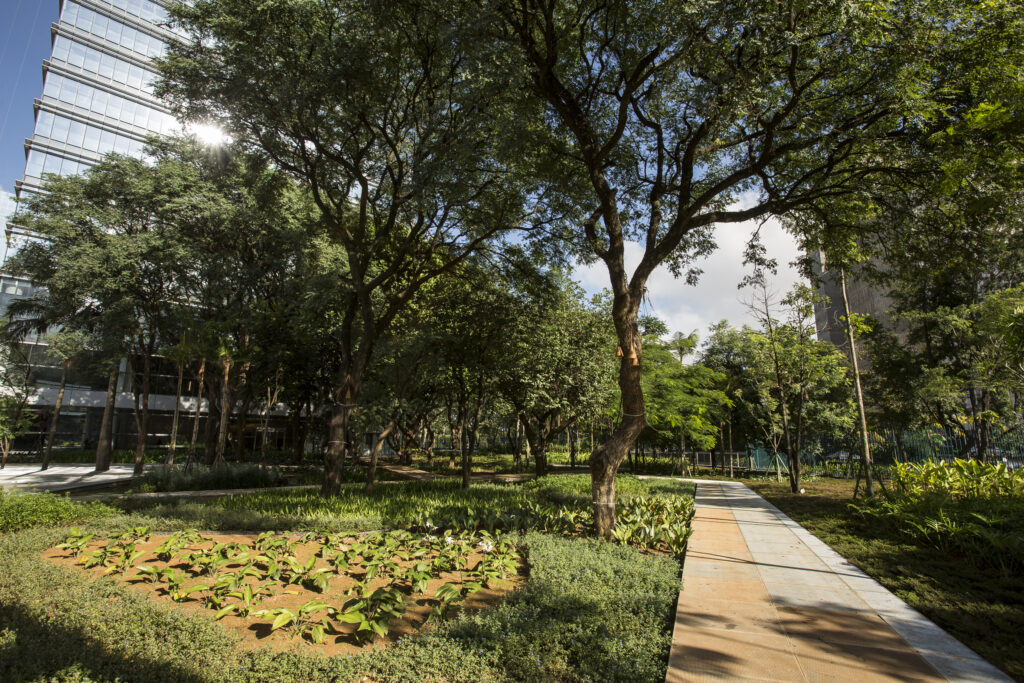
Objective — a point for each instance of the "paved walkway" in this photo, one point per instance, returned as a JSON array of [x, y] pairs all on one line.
[[763, 599], [61, 477]]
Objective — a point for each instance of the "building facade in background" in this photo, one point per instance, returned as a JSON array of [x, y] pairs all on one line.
[[97, 98], [865, 299]]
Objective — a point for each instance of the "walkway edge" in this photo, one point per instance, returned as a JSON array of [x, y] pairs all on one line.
[[953, 659]]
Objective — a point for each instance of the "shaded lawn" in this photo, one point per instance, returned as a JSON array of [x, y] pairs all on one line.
[[979, 607]]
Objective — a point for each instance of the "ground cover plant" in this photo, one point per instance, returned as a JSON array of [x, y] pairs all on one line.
[[976, 604], [970, 509], [555, 503], [340, 591], [590, 611], [22, 510]]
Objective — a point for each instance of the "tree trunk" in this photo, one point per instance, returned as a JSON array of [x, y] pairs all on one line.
[[865, 445], [901, 448], [56, 413], [142, 417], [573, 441], [794, 466], [338, 430], [271, 402], [371, 468], [198, 410], [104, 446], [428, 447], [455, 439], [307, 424], [174, 420], [225, 412], [467, 460], [606, 458], [540, 458], [516, 441], [242, 421]]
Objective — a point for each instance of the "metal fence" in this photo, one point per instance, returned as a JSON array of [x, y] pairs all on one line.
[[931, 443]]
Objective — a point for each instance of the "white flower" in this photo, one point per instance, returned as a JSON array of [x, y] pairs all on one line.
[[449, 540], [485, 546], [429, 539]]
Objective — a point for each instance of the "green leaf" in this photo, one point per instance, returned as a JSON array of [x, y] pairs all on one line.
[[282, 620]]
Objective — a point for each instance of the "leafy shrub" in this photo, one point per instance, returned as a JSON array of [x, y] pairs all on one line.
[[228, 476], [23, 510], [558, 504], [968, 508], [959, 479]]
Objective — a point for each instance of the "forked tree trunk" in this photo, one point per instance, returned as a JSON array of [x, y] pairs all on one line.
[[104, 445], [371, 468], [56, 413], [271, 402]]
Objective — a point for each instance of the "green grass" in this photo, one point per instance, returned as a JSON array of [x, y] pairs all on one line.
[[394, 505], [591, 611], [24, 510], [980, 607]]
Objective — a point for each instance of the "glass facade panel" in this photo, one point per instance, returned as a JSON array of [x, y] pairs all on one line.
[[60, 130], [110, 29], [41, 163], [103, 103]]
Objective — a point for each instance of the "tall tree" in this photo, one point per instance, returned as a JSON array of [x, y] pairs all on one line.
[[108, 253], [556, 366], [677, 117], [394, 115]]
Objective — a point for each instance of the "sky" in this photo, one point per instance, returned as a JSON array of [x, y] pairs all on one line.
[[689, 309], [24, 30], [26, 43]]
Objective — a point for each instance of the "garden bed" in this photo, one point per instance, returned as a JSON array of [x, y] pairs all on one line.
[[338, 594], [584, 610]]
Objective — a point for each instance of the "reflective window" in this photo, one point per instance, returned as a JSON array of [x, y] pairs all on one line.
[[58, 129], [104, 65], [106, 104], [41, 163], [112, 30]]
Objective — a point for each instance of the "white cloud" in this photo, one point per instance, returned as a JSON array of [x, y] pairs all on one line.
[[685, 308]]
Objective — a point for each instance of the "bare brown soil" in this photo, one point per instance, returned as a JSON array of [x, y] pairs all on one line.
[[255, 632]]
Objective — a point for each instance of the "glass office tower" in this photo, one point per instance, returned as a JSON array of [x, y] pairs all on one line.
[[97, 87], [97, 98]]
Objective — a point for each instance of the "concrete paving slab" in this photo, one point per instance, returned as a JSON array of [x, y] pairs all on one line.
[[60, 477]]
